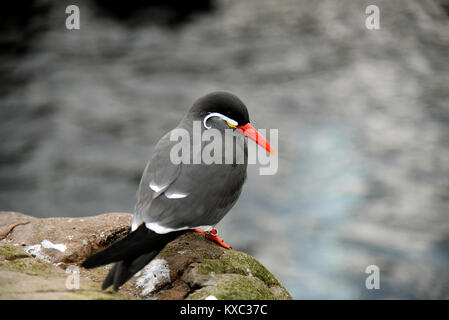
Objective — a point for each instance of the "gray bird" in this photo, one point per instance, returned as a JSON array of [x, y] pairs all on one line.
[[177, 196]]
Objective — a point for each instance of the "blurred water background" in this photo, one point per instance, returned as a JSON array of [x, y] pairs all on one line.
[[363, 119]]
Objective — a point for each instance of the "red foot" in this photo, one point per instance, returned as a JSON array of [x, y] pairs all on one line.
[[212, 235]]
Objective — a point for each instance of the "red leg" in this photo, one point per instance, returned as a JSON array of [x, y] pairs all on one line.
[[212, 235]]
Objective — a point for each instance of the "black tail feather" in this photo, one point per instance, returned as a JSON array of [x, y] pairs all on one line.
[[125, 270], [121, 275], [137, 243], [109, 278], [131, 254]]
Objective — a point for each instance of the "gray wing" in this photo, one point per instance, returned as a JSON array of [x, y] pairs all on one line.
[[155, 182], [186, 195]]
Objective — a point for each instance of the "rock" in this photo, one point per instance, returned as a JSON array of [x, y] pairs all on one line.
[[25, 277], [63, 240], [41, 255]]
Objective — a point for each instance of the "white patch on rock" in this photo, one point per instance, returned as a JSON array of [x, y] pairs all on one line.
[[249, 272], [211, 298], [84, 242], [49, 245], [35, 251], [153, 274], [70, 220]]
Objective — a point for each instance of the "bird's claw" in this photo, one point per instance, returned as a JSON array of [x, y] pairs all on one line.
[[212, 235]]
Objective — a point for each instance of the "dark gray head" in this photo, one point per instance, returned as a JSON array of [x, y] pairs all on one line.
[[223, 105], [223, 110]]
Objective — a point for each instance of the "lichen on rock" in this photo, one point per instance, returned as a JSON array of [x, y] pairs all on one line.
[[25, 277], [237, 275]]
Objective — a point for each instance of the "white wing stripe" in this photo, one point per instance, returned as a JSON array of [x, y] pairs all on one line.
[[155, 187], [156, 227], [175, 195]]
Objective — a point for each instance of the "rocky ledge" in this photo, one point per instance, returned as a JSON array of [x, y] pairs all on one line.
[[39, 259]]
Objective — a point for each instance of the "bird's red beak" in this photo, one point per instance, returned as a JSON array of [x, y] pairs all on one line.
[[249, 131]]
